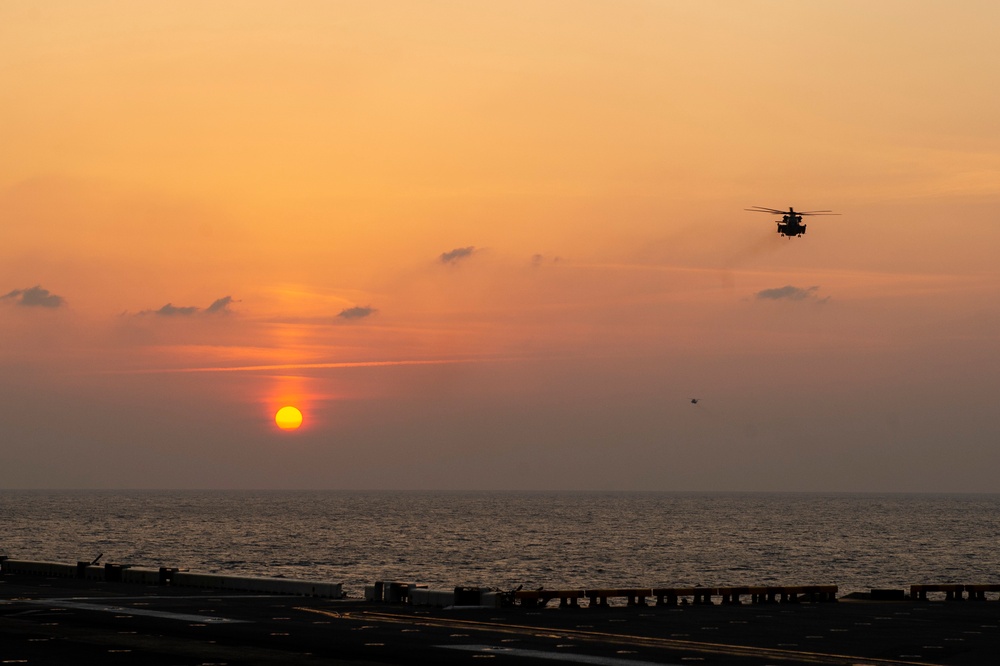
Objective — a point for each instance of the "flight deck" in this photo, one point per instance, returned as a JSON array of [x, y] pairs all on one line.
[[50, 620]]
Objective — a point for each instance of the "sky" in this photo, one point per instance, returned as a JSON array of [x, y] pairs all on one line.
[[500, 246]]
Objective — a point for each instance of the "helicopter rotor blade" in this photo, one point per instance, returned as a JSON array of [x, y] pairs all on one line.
[[775, 211]]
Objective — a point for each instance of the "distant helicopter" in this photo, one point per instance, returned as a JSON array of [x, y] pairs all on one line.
[[791, 221]]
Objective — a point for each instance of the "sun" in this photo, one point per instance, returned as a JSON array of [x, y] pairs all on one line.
[[288, 418]]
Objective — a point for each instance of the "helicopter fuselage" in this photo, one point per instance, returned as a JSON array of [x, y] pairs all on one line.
[[791, 225]]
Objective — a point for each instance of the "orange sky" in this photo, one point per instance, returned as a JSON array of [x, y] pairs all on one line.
[[499, 246]]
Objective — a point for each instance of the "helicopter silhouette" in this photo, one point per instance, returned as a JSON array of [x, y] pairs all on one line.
[[791, 221]]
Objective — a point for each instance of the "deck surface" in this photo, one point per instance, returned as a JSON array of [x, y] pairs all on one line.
[[61, 621]]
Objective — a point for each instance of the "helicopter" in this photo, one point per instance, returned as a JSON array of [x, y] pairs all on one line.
[[791, 221]]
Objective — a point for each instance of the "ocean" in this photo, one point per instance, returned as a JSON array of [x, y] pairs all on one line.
[[505, 539]]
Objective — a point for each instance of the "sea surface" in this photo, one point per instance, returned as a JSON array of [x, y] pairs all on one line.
[[506, 539]]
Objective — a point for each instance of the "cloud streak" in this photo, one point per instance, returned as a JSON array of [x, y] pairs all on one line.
[[314, 366], [218, 306], [170, 310], [789, 293], [456, 255], [35, 297], [357, 312]]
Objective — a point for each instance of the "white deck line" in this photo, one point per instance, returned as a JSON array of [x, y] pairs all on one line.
[[126, 610], [556, 656]]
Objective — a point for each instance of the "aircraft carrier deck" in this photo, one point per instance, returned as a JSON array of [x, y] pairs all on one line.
[[46, 620]]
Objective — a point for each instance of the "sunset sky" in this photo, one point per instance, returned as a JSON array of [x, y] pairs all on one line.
[[500, 245]]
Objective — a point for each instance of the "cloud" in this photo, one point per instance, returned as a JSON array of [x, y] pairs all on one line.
[[218, 306], [457, 254], [170, 310], [357, 312], [540, 259], [789, 293], [35, 297]]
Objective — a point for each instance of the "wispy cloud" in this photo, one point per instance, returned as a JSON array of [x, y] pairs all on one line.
[[316, 366], [789, 293], [35, 297], [456, 255], [541, 259], [218, 306], [357, 312], [171, 310]]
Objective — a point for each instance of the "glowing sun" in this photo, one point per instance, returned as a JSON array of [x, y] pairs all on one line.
[[288, 418]]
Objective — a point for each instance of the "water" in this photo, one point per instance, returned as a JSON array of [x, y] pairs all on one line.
[[555, 540]]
